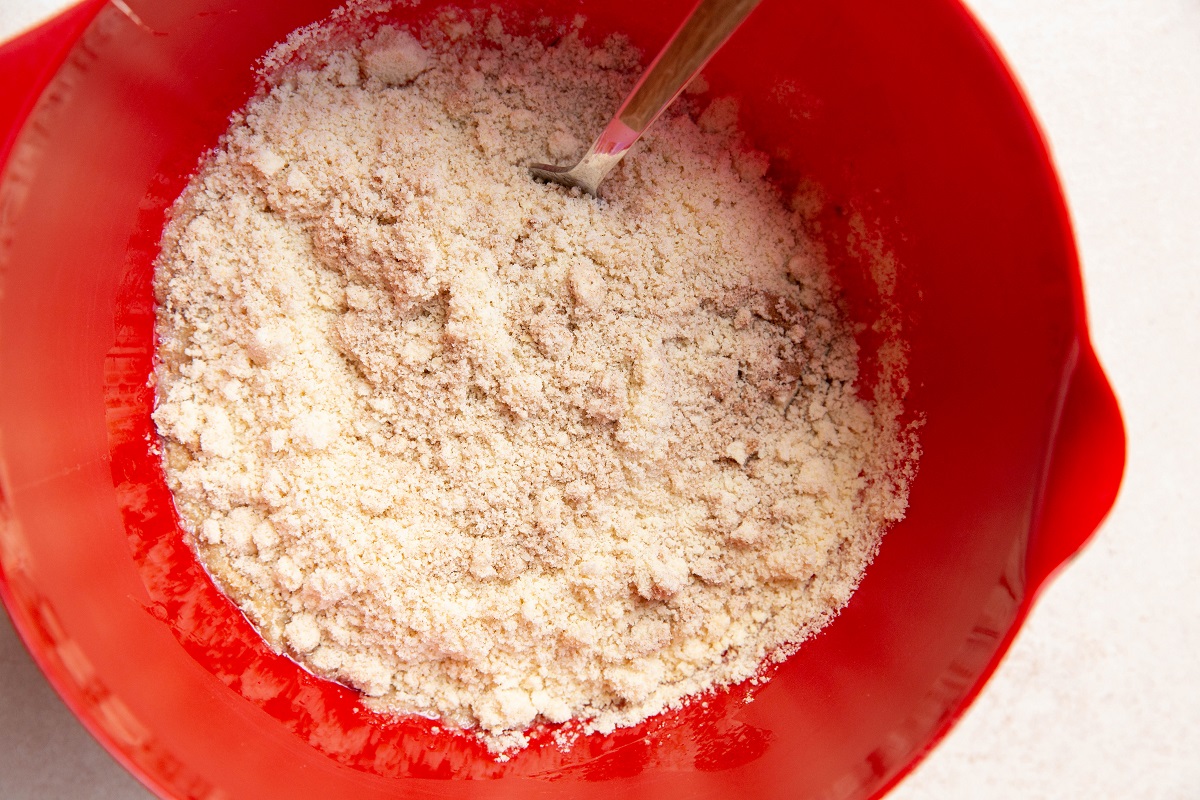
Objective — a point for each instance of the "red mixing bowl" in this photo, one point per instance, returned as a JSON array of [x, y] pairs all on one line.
[[903, 112]]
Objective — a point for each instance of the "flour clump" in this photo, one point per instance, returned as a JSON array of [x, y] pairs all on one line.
[[494, 451]]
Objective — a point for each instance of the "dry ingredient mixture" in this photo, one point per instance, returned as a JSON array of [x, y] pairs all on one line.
[[490, 450]]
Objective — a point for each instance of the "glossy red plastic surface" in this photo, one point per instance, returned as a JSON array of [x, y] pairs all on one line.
[[903, 112]]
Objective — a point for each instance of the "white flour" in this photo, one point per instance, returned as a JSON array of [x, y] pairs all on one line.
[[495, 452]]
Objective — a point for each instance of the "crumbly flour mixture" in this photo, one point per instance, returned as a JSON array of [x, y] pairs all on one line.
[[489, 450]]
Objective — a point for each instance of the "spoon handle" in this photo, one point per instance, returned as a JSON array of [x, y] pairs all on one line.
[[700, 35]]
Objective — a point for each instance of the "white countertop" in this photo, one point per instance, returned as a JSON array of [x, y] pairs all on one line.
[[1100, 695]]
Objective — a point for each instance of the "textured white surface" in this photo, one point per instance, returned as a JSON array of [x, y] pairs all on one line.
[[1100, 696], [20, 15]]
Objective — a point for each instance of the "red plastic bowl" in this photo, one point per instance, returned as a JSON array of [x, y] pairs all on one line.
[[902, 111]]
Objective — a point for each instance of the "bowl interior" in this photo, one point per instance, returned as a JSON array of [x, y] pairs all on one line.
[[904, 116]]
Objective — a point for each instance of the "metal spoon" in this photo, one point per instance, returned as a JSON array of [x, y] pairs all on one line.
[[707, 28]]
